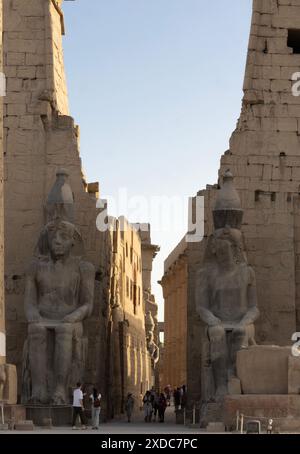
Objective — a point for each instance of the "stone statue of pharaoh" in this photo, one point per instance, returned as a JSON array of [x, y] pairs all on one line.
[[58, 297], [226, 289], [152, 347]]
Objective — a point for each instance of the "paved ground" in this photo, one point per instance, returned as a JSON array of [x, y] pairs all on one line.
[[138, 426]]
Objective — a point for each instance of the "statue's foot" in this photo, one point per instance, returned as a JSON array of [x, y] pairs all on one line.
[[39, 398], [59, 397], [232, 373]]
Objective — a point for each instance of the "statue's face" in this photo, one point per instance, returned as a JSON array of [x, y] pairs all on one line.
[[60, 238], [223, 251]]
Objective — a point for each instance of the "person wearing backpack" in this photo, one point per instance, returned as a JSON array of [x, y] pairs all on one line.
[[96, 408]]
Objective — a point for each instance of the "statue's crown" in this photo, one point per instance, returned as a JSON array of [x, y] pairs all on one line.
[[60, 201], [228, 210]]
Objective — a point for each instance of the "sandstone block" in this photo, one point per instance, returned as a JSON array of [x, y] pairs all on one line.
[[215, 427], [24, 426], [10, 389], [293, 375], [234, 386], [263, 369]]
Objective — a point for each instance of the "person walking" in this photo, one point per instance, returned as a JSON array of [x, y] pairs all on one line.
[[177, 398], [154, 402], [162, 405], [183, 399], [78, 407], [129, 404], [96, 408], [147, 406]]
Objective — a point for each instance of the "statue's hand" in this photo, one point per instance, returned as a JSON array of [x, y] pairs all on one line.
[[71, 318], [34, 317], [214, 321]]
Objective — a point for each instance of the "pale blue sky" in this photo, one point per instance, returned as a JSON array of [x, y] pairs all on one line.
[[156, 88]]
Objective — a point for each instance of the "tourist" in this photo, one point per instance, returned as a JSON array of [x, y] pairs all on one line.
[[78, 407], [96, 408], [129, 404], [177, 398], [154, 402], [162, 405], [183, 398], [270, 427], [147, 406], [168, 394]]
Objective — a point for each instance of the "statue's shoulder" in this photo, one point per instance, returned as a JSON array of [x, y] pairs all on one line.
[[86, 267], [249, 271], [204, 273], [36, 263]]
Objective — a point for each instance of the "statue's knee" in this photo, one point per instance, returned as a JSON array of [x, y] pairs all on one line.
[[216, 332], [65, 329], [36, 329], [240, 332], [78, 330]]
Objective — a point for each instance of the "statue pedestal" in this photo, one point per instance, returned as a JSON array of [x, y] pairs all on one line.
[[59, 415], [284, 409], [14, 413], [10, 386]]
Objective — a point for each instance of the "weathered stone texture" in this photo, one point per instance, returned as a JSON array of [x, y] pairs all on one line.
[[174, 283], [2, 315], [263, 369], [41, 137], [264, 159], [284, 409]]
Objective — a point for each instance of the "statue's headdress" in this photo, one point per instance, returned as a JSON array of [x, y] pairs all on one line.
[[228, 211], [60, 208]]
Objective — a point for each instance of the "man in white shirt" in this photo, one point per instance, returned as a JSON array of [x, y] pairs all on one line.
[[78, 407]]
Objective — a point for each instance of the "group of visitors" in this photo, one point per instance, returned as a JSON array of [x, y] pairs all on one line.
[[154, 404], [79, 410]]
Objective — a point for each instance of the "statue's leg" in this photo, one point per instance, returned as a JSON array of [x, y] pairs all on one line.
[[218, 354], [62, 361], [38, 362], [239, 340]]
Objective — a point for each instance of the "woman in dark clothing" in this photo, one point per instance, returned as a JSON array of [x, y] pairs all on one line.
[[162, 405]]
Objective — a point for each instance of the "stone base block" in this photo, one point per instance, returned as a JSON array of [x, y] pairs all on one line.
[[263, 369], [14, 413], [59, 416], [234, 386], [179, 417], [280, 408], [4, 427], [294, 375], [215, 427], [24, 426], [211, 412], [10, 388]]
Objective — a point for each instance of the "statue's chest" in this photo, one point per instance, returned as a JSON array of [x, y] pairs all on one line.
[[59, 278], [229, 293]]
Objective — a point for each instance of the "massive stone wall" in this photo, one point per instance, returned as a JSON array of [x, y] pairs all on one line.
[[174, 283], [129, 352], [39, 138], [265, 161], [2, 315]]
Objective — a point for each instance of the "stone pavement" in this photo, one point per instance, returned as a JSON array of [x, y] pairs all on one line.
[[138, 426]]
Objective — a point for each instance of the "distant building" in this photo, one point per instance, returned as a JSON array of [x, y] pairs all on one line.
[[174, 284]]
